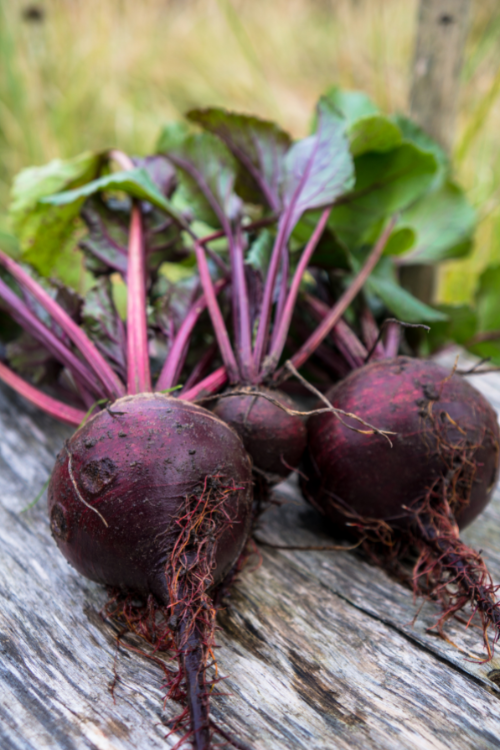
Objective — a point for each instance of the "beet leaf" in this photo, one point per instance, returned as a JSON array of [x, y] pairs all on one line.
[[258, 145], [104, 326], [135, 182], [44, 230]]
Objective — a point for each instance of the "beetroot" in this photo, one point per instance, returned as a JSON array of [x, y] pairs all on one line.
[[141, 466], [274, 438], [438, 475], [154, 497]]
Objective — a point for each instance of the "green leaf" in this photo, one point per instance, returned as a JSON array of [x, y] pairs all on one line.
[[384, 284], [104, 327], [329, 252], [176, 272], [173, 134], [487, 350], [160, 170], [207, 177], [106, 243], [30, 358], [487, 299], [258, 145], [45, 230], [259, 254], [367, 128], [401, 240], [443, 222], [460, 326], [413, 133], [319, 168], [376, 133], [135, 182], [385, 183], [353, 105], [401, 303], [9, 244]]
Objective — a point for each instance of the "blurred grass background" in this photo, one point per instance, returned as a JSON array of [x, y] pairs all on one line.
[[90, 74]]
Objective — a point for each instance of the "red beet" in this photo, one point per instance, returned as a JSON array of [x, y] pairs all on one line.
[[274, 438], [154, 496], [439, 474]]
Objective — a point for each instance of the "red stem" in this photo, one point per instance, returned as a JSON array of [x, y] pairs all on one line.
[[348, 344], [271, 362], [343, 303], [392, 340], [52, 406], [220, 329], [112, 383], [265, 313], [344, 338], [138, 373], [283, 293], [200, 368], [124, 161], [333, 360], [207, 386], [254, 225], [169, 374], [241, 299], [216, 259], [30, 323]]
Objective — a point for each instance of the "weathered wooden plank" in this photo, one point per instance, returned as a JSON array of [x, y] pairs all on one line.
[[434, 96], [319, 647], [439, 51]]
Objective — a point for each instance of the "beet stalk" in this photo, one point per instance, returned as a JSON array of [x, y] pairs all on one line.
[[292, 178], [436, 478]]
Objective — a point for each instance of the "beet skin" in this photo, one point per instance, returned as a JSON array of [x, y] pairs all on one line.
[[274, 439], [136, 464], [445, 431]]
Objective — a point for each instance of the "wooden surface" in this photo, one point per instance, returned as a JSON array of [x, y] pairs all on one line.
[[320, 649]]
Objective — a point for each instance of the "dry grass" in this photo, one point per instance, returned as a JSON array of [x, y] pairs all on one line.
[[93, 74]]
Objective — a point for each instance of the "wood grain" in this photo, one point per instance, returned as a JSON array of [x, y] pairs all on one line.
[[434, 96], [440, 43], [320, 649]]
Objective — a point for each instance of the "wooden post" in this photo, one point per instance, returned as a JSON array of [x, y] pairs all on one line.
[[441, 35]]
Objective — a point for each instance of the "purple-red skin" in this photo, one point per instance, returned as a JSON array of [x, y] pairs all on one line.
[[274, 439], [410, 397], [135, 464]]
